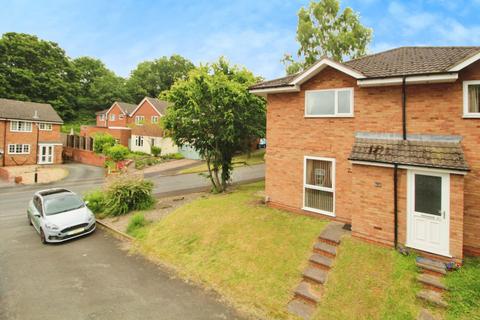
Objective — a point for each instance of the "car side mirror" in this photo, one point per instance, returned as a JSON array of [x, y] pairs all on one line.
[[36, 214]]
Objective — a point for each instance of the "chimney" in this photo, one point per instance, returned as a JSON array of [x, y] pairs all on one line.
[[35, 116]]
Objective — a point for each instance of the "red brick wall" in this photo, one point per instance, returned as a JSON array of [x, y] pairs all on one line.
[[86, 157], [123, 135], [100, 122], [30, 138], [117, 122], [431, 109]]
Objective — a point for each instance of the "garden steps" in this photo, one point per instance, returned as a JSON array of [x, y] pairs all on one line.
[[431, 281], [431, 274], [308, 293], [432, 297], [426, 315]]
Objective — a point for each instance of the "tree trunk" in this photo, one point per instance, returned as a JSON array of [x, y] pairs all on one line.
[[210, 175]]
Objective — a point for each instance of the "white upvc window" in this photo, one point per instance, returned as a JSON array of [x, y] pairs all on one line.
[[139, 141], [139, 120], [45, 126], [18, 148], [120, 116], [154, 119], [112, 117], [20, 126], [319, 185], [102, 117], [329, 103], [471, 99]]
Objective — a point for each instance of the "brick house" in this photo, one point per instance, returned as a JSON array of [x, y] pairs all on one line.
[[389, 143], [134, 126], [29, 133]]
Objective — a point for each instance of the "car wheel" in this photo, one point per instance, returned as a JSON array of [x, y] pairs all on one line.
[[42, 237]]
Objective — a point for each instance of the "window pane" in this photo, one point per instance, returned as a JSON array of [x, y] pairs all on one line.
[[474, 98], [11, 148], [316, 199], [428, 194], [344, 102], [18, 148], [321, 103], [319, 173]]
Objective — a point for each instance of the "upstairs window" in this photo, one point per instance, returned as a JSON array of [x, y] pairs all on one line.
[[154, 119], [139, 120], [102, 117], [112, 117], [471, 99], [21, 126], [329, 103], [45, 126], [319, 185]]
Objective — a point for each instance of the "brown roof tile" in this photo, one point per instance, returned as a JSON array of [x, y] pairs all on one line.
[[397, 62], [426, 153], [25, 110], [160, 105]]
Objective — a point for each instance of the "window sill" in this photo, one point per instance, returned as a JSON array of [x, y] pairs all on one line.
[[330, 116], [326, 213], [471, 116]]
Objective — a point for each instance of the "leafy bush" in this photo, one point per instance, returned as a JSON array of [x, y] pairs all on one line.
[[176, 156], [135, 225], [102, 142], [117, 153], [96, 201], [127, 195], [156, 151]]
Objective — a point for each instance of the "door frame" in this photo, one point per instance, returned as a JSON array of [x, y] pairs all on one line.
[[40, 145], [410, 208]]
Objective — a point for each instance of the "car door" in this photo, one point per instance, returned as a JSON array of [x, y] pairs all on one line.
[[37, 212]]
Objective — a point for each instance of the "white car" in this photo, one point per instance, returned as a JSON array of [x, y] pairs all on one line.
[[59, 215]]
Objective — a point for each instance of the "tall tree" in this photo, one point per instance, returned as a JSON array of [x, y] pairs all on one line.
[[150, 78], [325, 31], [213, 112], [98, 86], [37, 70]]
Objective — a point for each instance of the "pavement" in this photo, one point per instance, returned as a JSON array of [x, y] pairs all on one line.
[[94, 277]]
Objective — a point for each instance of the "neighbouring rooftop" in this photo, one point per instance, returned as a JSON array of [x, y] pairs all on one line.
[[26, 110]]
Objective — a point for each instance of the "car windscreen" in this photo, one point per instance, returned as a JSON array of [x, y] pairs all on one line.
[[62, 203]]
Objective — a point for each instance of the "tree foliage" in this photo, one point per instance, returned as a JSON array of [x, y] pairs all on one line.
[[150, 78], [37, 70], [102, 142], [325, 31], [213, 112]]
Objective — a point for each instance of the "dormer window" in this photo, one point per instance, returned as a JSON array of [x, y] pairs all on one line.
[[329, 103], [471, 99]]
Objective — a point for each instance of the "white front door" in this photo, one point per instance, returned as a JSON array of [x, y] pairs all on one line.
[[428, 213], [45, 154]]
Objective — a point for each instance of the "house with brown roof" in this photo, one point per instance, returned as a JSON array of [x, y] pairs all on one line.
[[29, 133], [135, 126], [388, 143]]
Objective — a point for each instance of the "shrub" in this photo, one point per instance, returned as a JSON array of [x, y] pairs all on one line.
[[102, 141], [175, 156], [117, 153], [156, 151], [127, 195], [96, 201], [136, 223]]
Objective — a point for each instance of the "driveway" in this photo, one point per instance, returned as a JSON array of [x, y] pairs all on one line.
[[93, 277]]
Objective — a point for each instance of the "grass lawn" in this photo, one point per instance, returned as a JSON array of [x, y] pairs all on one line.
[[256, 157], [251, 254], [464, 294], [370, 282]]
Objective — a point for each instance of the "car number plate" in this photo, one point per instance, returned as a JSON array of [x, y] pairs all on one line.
[[75, 231]]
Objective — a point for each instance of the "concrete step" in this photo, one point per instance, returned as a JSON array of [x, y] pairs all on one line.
[[433, 266], [306, 291], [431, 280], [301, 309], [425, 315], [431, 269], [432, 297], [333, 233], [321, 260], [325, 249], [315, 274]]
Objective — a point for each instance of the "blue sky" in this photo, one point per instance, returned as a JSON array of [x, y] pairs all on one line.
[[253, 33]]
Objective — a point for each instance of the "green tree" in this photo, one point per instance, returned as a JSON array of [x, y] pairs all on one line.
[[150, 78], [98, 86], [213, 112], [325, 31], [32, 69]]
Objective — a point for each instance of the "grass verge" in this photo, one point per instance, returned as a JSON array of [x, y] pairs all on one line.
[[464, 293], [256, 157], [370, 282], [251, 254]]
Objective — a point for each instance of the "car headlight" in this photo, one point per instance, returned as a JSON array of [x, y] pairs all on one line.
[[91, 218], [51, 226]]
